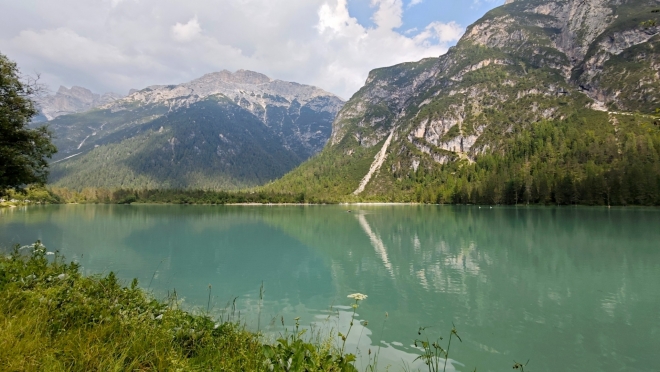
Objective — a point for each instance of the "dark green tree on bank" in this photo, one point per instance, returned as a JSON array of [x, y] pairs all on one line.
[[23, 150]]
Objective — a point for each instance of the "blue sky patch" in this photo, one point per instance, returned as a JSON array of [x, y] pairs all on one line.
[[417, 17]]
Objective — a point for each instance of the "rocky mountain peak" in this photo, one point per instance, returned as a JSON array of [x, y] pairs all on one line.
[[70, 101], [252, 90], [268, 99], [244, 77], [570, 26], [80, 93]]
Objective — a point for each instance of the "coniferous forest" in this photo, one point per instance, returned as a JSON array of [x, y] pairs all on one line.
[[589, 158], [574, 161]]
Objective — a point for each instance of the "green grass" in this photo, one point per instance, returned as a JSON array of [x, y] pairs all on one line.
[[52, 318]]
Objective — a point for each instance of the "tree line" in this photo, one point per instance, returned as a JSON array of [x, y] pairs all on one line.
[[175, 196]]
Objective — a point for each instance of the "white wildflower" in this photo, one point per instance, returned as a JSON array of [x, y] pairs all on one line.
[[159, 317], [357, 296], [269, 364], [62, 276]]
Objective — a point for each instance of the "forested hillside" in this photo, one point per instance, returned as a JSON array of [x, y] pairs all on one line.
[[178, 150], [539, 102]]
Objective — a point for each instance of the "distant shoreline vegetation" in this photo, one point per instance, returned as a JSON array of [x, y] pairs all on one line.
[[179, 196], [55, 195]]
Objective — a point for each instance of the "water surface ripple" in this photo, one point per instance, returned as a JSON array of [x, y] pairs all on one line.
[[568, 288]]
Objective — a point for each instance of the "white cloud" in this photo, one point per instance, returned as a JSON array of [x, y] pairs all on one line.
[[388, 15], [114, 3], [145, 42], [414, 2], [352, 50], [186, 32], [62, 45], [441, 32]]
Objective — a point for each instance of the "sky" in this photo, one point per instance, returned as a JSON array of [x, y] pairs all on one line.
[[117, 45]]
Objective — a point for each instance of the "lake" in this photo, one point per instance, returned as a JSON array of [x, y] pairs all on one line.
[[565, 288]]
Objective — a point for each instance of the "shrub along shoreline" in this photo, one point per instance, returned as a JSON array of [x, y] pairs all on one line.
[[52, 318], [54, 195]]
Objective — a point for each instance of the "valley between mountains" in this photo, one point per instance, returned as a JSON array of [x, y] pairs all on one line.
[[549, 102]]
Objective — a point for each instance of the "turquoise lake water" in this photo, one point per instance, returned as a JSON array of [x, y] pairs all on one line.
[[566, 288]]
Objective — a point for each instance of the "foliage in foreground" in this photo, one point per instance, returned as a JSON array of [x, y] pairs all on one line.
[[54, 319], [23, 150]]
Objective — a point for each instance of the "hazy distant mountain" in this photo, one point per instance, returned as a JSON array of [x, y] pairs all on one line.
[[223, 130], [71, 101]]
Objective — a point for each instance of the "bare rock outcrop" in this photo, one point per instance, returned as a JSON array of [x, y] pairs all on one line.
[[70, 101]]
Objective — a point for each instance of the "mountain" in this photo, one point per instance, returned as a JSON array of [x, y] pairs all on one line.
[[223, 130], [539, 102], [71, 101]]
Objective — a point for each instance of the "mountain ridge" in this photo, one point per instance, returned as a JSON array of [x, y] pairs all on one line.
[[567, 65], [251, 90], [71, 101], [295, 117]]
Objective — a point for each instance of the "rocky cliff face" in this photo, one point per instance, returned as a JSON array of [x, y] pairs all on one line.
[[524, 62], [540, 50], [300, 114], [74, 100]]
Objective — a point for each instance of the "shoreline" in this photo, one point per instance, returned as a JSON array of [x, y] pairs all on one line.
[[346, 204]]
